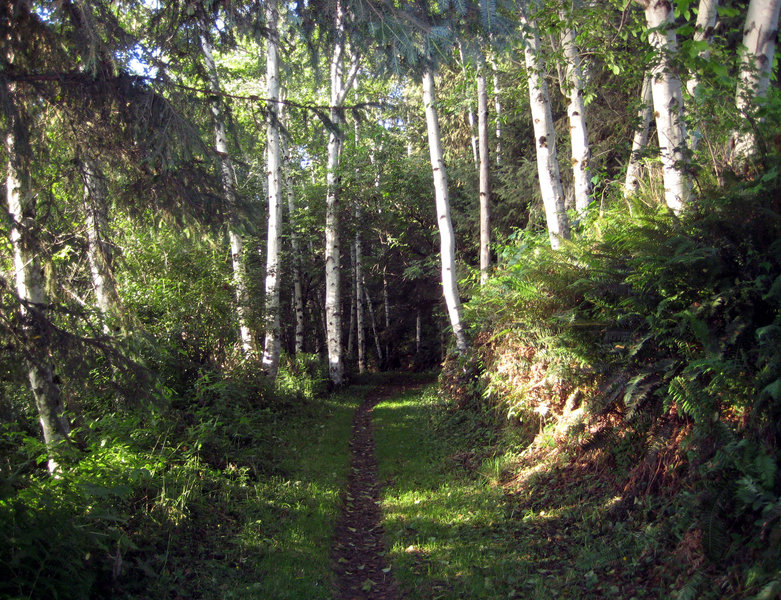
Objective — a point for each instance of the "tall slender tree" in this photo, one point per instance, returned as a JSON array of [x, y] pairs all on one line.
[[756, 61], [545, 136], [235, 238], [30, 287], [444, 222], [485, 174], [668, 102], [574, 86], [340, 83], [272, 343]]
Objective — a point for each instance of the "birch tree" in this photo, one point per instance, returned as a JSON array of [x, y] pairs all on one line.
[[668, 103], [295, 243], [707, 12], [446, 236], [339, 87], [545, 137], [485, 164], [756, 60], [272, 343], [30, 287], [235, 238], [574, 85], [640, 139], [100, 253]]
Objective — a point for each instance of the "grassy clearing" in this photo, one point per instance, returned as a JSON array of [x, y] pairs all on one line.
[[299, 510], [235, 503], [464, 519], [445, 523]]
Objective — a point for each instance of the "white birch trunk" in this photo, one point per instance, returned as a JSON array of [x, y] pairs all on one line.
[[351, 327], [418, 332], [235, 240], [576, 111], [99, 252], [545, 139], [640, 139], [497, 111], [359, 319], [707, 12], [272, 343], [30, 287], [668, 103], [759, 44], [386, 303], [446, 235], [485, 186], [295, 246], [470, 114], [332, 243], [373, 321]]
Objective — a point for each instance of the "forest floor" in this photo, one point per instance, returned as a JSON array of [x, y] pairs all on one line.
[[457, 508]]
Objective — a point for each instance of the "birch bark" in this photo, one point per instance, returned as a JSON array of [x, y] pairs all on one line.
[[99, 250], [576, 111], [640, 139], [235, 239], [707, 12], [759, 44], [272, 343], [31, 290], [295, 245], [545, 139], [485, 185], [668, 103], [340, 84], [446, 236]]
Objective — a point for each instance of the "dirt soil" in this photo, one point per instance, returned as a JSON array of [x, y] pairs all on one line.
[[359, 555]]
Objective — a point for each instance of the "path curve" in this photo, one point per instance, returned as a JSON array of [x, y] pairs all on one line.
[[359, 555]]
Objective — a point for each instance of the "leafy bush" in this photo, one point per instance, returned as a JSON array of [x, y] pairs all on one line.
[[667, 330]]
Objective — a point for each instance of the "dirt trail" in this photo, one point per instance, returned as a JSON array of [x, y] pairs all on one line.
[[359, 556]]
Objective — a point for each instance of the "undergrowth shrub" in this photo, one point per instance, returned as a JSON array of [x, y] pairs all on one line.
[[144, 484], [663, 334]]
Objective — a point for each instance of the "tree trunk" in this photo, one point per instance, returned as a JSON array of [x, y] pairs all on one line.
[[32, 295], [485, 186], [295, 246], [668, 103], [99, 250], [339, 88], [446, 235], [235, 239], [470, 113], [576, 111], [545, 138], [703, 32], [640, 140], [359, 319], [497, 111], [386, 303], [373, 321], [272, 344], [353, 316], [759, 44]]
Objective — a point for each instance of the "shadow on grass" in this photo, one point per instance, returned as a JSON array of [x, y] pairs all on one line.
[[454, 532]]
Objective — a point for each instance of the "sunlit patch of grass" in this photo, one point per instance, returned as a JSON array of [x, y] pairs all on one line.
[[445, 524]]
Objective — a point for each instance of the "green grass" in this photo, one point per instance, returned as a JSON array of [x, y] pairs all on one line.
[[300, 510], [454, 530], [446, 526], [242, 504]]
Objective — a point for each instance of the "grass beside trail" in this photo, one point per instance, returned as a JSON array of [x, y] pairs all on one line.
[[298, 512], [445, 522], [469, 515]]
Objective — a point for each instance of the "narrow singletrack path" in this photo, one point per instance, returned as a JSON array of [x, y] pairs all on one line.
[[359, 557]]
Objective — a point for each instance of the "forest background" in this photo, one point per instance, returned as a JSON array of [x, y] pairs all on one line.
[[217, 212]]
